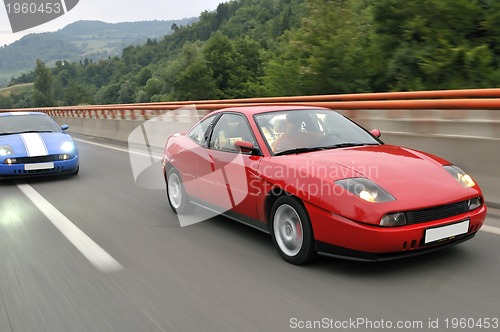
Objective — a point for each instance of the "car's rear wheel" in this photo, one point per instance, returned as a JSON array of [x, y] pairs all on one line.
[[291, 230], [177, 197]]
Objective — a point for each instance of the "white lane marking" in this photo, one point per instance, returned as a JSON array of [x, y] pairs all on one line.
[[91, 250], [158, 157], [35, 146], [491, 229]]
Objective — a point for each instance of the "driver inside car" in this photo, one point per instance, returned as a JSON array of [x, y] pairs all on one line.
[[296, 135]]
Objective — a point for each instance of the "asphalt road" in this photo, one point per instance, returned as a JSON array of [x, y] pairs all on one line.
[[129, 266]]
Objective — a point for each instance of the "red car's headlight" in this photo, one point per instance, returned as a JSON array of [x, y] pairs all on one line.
[[463, 178], [365, 189]]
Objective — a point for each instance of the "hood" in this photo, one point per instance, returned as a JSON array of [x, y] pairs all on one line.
[[35, 144], [409, 175]]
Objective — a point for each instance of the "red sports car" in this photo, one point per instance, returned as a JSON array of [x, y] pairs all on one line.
[[320, 184]]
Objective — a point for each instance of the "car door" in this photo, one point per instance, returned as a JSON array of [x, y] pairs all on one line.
[[234, 171], [193, 159]]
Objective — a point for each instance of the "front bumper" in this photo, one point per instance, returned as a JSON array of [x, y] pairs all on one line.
[[27, 170], [341, 237]]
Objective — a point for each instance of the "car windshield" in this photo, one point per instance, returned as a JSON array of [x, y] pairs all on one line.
[[18, 124], [297, 131]]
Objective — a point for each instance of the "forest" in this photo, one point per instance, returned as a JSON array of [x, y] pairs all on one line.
[[253, 48]]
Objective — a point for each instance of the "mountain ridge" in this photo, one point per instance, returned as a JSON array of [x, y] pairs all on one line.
[[85, 39]]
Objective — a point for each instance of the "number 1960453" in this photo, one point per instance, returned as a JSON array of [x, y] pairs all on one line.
[[34, 8]]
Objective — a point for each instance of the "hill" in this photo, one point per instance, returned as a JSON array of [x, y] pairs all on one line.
[[93, 40]]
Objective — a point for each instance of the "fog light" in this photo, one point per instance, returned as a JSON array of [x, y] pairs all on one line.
[[393, 219], [474, 203], [10, 161]]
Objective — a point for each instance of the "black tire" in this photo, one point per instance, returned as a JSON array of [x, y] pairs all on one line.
[[291, 230], [176, 195], [75, 172]]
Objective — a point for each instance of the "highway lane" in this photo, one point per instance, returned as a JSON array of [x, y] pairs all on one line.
[[213, 276]]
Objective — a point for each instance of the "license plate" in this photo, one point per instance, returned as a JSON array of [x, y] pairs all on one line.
[[446, 232], [37, 166]]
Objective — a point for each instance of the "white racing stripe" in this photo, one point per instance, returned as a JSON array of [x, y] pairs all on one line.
[[91, 250], [35, 146]]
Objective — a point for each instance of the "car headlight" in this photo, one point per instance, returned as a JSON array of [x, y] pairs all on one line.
[[463, 178], [5, 150], [393, 219], [365, 189], [67, 146]]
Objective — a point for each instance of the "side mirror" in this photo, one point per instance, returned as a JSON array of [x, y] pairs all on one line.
[[64, 127], [376, 132], [246, 147]]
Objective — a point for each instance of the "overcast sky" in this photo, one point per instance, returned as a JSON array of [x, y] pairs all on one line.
[[113, 11]]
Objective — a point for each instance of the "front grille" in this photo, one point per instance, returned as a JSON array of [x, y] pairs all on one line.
[[40, 159], [436, 213]]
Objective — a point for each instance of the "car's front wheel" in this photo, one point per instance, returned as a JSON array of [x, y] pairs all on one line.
[[291, 230], [177, 197]]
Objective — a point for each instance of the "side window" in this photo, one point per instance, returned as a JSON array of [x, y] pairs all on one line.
[[197, 133], [229, 129]]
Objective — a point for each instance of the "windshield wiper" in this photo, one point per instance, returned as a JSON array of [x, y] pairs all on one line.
[[347, 145], [298, 150]]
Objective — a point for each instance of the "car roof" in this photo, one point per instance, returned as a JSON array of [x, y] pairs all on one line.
[[21, 113], [251, 110]]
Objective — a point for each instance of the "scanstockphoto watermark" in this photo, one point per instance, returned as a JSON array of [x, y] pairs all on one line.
[[360, 323], [26, 14]]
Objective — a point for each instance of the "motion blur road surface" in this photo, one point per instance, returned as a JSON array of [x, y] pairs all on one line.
[[129, 266]]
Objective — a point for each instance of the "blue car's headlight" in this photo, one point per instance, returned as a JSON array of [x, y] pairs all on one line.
[[5, 150], [463, 178], [365, 189], [67, 146]]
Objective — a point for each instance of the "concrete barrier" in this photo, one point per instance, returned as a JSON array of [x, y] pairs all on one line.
[[157, 131]]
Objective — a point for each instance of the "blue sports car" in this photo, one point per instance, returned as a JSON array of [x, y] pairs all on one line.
[[33, 144]]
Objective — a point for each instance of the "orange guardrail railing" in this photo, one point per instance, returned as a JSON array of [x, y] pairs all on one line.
[[467, 99]]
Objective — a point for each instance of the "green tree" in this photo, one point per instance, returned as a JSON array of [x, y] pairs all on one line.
[[154, 86], [188, 77], [126, 93], [5, 102], [433, 44], [325, 55], [43, 93], [220, 56]]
